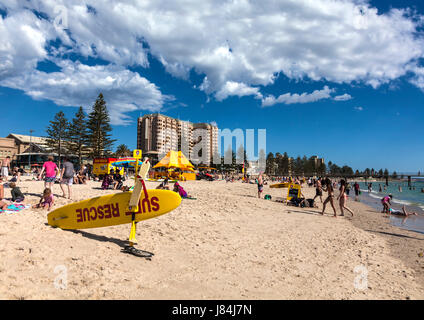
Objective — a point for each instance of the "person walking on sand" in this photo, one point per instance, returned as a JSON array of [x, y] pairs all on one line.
[[67, 177], [347, 188], [51, 170], [260, 185], [318, 190], [343, 198], [330, 190], [357, 191]]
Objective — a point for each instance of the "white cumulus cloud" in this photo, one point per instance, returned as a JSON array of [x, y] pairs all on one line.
[[289, 98], [79, 85], [344, 97], [239, 46]]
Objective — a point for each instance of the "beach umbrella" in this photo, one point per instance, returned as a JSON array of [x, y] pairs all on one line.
[[126, 163]]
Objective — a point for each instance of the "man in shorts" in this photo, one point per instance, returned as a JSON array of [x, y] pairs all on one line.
[[5, 167], [67, 177], [318, 190], [51, 170], [357, 190]]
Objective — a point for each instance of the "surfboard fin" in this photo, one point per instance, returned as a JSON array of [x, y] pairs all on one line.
[[132, 238]]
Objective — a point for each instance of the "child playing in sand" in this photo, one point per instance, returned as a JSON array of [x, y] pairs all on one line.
[[163, 185], [107, 180], [46, 201], [17, 195], [180, 190]]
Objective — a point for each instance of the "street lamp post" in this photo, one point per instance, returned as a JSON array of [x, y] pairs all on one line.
[[30, 148]]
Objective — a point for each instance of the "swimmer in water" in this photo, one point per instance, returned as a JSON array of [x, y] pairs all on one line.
[[402, 213]]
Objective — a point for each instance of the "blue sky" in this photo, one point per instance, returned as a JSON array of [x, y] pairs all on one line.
[[342, 81]]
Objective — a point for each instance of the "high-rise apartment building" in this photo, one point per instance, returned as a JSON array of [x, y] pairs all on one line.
[[157, 134]]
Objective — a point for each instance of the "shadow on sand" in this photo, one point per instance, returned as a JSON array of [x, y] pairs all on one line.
[[394, 234]]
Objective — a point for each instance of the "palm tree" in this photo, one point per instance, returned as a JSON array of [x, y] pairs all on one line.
[[122, 151]]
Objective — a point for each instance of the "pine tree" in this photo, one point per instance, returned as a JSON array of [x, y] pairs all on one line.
[[78, 135], [57, 133], [285, 164], [240, 159], [298, 166], [322, 169], [270, 163], [99, 129], [278, 164], [262, 160], [386, 173]]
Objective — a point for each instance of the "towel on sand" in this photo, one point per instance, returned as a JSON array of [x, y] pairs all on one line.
[[15, 207]]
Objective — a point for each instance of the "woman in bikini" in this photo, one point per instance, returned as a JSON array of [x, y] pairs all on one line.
[[329, 189], [260, 185], [343, 198]]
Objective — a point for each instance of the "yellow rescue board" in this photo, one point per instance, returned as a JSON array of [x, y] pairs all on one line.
[[280, 185], [112, 209]]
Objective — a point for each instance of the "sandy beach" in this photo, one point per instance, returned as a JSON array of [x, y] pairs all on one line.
[[227, 244]]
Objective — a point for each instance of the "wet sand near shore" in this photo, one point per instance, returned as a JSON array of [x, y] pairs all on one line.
[[227, 244]]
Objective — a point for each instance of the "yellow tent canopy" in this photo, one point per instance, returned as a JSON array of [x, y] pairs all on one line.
[[174, 159], [184, 162]]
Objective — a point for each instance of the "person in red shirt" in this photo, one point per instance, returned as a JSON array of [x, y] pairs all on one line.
[[51, 170]]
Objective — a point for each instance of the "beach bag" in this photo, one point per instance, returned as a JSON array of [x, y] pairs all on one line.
[[267, 197]]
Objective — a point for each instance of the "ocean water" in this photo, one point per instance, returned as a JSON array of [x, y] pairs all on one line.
[[413, 199]]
